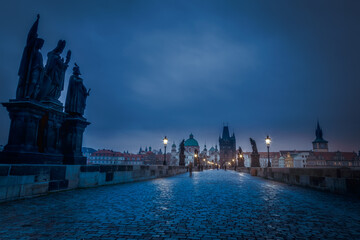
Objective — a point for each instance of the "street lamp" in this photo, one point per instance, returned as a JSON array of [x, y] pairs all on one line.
[[268, 141], [165, 143]]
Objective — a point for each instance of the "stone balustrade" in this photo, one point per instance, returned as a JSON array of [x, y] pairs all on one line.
[[337, 180], [22, 181]]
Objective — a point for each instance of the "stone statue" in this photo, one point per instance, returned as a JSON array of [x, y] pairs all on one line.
[[240, 158], [253, 145], [76, 95], [53, 82], [31, 66], [182, 153]]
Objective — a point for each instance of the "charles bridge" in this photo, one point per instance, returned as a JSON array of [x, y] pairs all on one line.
[[213, 204]]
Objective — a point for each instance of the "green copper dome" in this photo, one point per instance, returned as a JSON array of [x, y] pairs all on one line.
[[191, 142]]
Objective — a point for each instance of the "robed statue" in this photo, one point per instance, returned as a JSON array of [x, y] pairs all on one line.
[[240, 151], [253, 145], [53, 81], [76, 95], [31, 66], [182, 153]]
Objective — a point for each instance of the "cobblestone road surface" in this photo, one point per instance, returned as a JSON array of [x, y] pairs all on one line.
[[209, 205]]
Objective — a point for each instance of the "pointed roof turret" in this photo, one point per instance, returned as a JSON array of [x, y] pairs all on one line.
[[319, 134]]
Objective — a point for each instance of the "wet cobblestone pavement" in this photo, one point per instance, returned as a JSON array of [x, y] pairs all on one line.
[[209, 205]]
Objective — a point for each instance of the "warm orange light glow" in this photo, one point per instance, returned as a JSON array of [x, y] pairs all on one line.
[[268, 140]]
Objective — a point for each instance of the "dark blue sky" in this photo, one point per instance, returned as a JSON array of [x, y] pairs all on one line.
[[173, 67]]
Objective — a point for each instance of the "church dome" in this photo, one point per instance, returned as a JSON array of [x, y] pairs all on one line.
[[191, 142]]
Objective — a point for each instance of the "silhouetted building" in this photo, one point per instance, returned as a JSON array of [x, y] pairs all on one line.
[[319, 144], [227, 146]]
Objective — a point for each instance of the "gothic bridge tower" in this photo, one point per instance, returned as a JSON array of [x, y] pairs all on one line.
[[227, 146]]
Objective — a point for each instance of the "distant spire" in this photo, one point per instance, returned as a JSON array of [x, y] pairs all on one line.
[[318, 132], [226, 133]]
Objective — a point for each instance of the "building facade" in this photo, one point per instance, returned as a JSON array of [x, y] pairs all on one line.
[[191, 145], [333, 159], [110, 157], [214, 155]]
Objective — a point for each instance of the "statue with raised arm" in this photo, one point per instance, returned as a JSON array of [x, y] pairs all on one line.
[[31, 66], [76, 95], [253, 145], [53, 82]]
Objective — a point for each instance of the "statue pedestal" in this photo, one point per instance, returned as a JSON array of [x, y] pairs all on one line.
[[255, 160], [241, 162], [54, 104], [34, 136], [73, 129]]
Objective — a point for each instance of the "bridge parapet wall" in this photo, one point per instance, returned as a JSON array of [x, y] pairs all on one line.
[[337, 180], [22, 181]]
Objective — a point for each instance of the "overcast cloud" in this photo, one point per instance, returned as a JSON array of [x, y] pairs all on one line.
[[170, 68]]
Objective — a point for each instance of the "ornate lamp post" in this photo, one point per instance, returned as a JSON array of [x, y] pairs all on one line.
[[268, 141], [165, 143]]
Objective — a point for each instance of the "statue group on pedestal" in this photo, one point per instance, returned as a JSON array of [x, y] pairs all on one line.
[[40, 131], [40, 83]]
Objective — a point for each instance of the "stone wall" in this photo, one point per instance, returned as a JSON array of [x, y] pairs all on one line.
[[22, 181], [337, 180]]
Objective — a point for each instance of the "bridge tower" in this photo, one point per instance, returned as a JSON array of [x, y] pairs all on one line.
[[227, 146]]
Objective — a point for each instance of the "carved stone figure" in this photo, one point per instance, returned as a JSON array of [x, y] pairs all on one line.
[[253, 145], [31, 66], [240, 158], [53, 82], [76, 95], [182, 153]]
